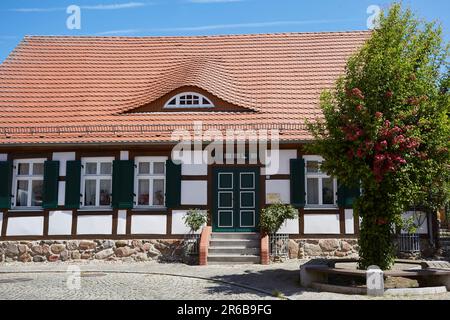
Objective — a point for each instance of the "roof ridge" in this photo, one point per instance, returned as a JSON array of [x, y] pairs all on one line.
[[244, 35]]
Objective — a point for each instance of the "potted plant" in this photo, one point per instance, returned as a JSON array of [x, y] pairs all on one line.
[[271, 219], [194, 220]]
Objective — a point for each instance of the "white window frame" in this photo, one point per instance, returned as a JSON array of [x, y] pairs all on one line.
[[96, 177], [177, 105], [320, 176], [28, 178], [151, 177]]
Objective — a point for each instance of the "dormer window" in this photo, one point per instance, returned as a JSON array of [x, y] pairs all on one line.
[[189, 100]]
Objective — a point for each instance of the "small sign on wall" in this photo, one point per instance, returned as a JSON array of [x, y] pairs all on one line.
[[273, 197]]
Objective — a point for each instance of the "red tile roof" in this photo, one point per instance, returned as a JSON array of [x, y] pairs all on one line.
[[59, 89]]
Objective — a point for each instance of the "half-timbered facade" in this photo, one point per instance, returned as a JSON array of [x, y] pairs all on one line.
[[87, 123]]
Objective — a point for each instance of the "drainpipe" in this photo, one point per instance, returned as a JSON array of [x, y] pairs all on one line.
[[431, 229]]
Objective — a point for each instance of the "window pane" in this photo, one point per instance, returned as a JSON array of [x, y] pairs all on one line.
[[173, 102], [105, 168], [23, 169], [312, 190], [312, 166], [158, 192], [327, 191], [143, 192], [36, 192], [144, 167], [22, 193], [89, 193], [205, 101], [38, 169], [91, 168], [105, 192], [158, 168]]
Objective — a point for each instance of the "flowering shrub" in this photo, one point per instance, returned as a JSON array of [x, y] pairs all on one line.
[[386, 126]]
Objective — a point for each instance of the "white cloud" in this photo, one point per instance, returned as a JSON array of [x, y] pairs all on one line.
[[252, 25], [114, 6], [36, 9], [119, 32], [222, 26], [213, 1]]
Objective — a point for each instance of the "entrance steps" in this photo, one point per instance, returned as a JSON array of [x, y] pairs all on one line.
[[234, 248]]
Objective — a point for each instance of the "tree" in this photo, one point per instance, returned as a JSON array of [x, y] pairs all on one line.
[[386, 127]]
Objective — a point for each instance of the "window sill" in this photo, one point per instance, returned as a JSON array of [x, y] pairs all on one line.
[[26, 210], [149, 209], [322, 208], [94, 209]]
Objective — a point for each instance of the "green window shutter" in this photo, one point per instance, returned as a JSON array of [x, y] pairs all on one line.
[[73, 181], [173, 184], [347, 195], [123, 184], [297, 176], [50, 192], [6, 170]]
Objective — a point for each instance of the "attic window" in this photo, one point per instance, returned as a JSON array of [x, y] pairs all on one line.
[[189, 100]]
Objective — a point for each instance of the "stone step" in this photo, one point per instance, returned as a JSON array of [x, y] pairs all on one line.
[[235, 235], [240, 250], [233, 259], [235, 243]]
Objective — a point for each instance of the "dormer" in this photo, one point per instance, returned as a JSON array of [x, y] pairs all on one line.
[[189, 99]]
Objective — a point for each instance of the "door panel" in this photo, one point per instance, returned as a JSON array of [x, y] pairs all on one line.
[[235, 199]]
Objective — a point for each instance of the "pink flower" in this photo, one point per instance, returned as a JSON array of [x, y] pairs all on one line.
[[378, 115], [357, 93], [360, 153], [359, 108], [388, 94]]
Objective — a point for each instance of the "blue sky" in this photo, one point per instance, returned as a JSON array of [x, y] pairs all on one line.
[[195, 17]]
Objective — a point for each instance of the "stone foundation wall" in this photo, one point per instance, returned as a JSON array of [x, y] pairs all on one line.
[[344, 248], [109, 250], [323, 248]]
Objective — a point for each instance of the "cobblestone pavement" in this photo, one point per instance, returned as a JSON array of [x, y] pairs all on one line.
[[152, 280]]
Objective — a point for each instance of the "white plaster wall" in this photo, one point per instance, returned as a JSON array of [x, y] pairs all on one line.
[[282, 165], [124, 155], [194, 168], [349, 221], [3, 156], [60, 223], [94, 224], [122, 222], [148, 224], [418, 218], [194, 192], [25, 226], [178, 226], [282, 187], [1, 221], [290, 227], [63, 157], [61, 192], [321, 223]]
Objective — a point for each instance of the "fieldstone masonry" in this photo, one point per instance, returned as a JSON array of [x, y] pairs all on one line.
[[332, 248], [109, 250]]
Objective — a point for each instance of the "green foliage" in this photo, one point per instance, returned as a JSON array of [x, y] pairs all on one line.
[[274, 215], [409, 225], [386, 124], [195, 219]]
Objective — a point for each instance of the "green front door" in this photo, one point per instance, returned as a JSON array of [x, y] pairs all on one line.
[[236, 195]]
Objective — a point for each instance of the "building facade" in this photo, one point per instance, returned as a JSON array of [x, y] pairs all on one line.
[[89, 126]]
